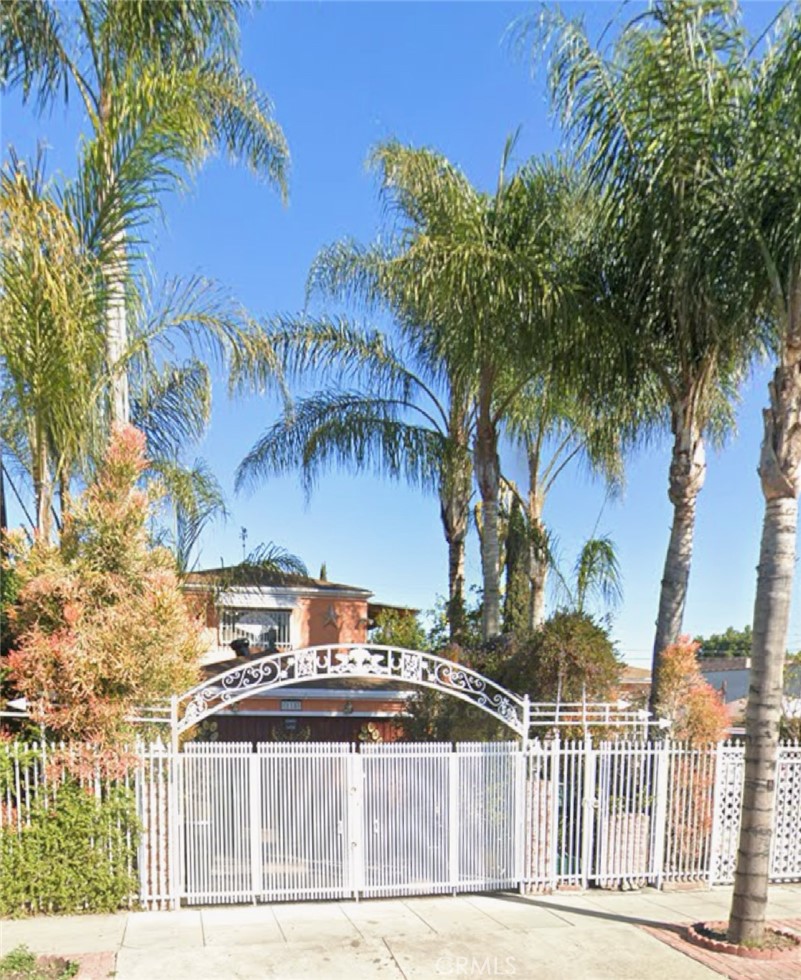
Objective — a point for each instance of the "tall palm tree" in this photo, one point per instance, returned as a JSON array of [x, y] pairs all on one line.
[[766, 197], [476, 277], [161, 87], [655, 120], [402, 421]]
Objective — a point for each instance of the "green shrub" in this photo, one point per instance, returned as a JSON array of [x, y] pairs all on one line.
[[74, 856], [22, 964]]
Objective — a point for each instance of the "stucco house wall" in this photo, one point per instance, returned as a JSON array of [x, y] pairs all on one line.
[[301, 611]]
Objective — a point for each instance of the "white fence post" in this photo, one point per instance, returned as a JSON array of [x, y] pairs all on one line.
[[659, 825], [588, 810], [175, 848], [356, 823], [254, 815], [453, 819], [553, 830], [522, 835]]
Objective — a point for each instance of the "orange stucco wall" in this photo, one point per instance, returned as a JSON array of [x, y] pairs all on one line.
[[318, 625], [317, 620]]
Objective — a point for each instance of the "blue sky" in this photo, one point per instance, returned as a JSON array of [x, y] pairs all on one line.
[[344, 76]]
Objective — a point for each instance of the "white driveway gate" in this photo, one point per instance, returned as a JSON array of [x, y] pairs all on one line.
[[223, 823], [294, 821]]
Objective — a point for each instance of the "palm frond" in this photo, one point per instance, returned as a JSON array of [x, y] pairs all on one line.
[[268, 562], [350, 430], [171, 405], [597, 574]]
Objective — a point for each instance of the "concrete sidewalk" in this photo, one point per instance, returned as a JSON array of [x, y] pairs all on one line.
[[588, 936]]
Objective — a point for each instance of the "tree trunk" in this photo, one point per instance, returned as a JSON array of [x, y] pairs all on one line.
[[687, 473], [780, 475], [517, 596], [488, 475], [454, 507], [456, 609], [63, 494], [3, 509], [42, 489], [117, 333], [538, 559], [454, 513], [116, 273]]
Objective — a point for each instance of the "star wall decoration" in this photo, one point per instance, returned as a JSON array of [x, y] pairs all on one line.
[[331, 617]]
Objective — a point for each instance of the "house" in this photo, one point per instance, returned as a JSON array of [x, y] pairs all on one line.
[[731, 677], [634, 685], [250, 611], [728, 675]]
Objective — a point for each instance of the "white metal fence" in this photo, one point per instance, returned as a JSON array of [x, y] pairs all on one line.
[[222, 823]]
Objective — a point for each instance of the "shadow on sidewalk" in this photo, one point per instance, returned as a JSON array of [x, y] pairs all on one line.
[[590, 913]]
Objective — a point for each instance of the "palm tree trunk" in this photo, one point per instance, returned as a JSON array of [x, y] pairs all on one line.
[[538, 560], [780, 475], [488, 476], [115, 276], [455, 487], [3, 509], [63, 494], [687, 473], [42, 489], [456, 610], [454, 509], [117, 333]]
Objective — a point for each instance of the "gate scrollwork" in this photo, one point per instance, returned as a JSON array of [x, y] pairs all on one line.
[[356, 660]]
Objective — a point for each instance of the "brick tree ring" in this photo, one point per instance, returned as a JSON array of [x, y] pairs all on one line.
[[704, 934]]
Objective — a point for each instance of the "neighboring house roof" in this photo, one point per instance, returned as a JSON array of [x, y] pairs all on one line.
[[635, 677], [253, 577], [710, 664], [241, 581], [376, 608]]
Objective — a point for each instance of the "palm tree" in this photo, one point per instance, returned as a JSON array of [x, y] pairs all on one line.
[[767, 203], [51, 351], [557, 429], [161, 87], [53, 370], [476, 278], [597, 575], [655, 119], [402, 422]]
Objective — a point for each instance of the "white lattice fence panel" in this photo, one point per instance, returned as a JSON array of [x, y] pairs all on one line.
[[786, 845], [728, 800]]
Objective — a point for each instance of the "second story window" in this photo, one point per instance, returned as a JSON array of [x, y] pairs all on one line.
[[256, 626]]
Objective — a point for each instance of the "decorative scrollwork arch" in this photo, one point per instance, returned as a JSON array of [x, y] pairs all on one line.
[[293, 667]]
